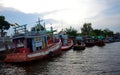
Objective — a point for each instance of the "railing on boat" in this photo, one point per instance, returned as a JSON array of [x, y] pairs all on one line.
[[32, 33], [22, 31]]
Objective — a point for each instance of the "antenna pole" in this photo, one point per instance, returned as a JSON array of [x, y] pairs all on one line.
[[39, 21]]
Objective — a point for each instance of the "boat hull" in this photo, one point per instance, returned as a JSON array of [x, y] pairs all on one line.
[[100, 43], [79, 47], [40, 54], [90, 44], [68, 46]]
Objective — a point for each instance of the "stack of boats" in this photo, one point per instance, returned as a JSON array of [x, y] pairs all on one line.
[[38, 44], [81, 43]]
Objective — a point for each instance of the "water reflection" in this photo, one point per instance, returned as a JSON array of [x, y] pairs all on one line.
[[91, 61]]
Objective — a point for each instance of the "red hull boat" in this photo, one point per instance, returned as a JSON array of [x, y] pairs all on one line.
[[67, 46], [24, 56], [100, 43], [32, 45]]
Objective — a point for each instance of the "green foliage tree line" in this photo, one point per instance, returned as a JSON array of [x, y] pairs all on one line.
[[71, 31], [4, 25], [88, 30]]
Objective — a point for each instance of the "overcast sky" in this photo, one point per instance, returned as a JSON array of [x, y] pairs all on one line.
[[63, 13]]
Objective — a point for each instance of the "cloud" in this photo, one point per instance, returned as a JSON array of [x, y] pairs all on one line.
[[113, 7], [14, 16], [101, 13], [107, 21], [109, 17], [38, 5]]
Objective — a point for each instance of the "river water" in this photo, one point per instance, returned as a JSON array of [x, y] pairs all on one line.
[[91, 61]]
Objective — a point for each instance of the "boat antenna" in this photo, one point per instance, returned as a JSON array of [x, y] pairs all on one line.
[[39, 21], [44, 26], [51, 27]]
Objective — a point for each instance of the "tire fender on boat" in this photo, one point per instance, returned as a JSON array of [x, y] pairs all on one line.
[[50, 54]]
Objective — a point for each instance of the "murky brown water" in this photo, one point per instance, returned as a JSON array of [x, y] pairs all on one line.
[[91, 61]]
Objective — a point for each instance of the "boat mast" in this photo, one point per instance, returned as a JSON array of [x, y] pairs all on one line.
[[39, 20], [39, 23], [44, 26]]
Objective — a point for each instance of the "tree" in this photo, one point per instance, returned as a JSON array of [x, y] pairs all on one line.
[[108, 32], [4, 25], [86, 30], [71, 31], [97, 32]]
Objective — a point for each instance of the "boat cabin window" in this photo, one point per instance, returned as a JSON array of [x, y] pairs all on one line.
[[38, 48], [19, 42]]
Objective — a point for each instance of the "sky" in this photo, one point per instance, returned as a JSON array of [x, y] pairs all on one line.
[[62, 14]]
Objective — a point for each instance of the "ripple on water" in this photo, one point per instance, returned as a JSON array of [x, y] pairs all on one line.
[[91, 61], [8, 69]]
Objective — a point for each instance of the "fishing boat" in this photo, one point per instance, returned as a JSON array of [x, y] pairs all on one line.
[[67, 46], [79, 45], [32, 45], [67, 43], [100, 43], [89, 42]]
